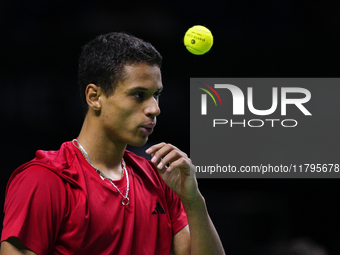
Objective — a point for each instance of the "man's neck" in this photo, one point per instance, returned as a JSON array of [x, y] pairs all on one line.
[[105, 154]]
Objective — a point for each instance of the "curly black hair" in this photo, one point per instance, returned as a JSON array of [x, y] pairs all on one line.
[[102, 60]]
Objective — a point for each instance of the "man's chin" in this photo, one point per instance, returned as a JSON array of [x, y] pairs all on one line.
[[140, 142]]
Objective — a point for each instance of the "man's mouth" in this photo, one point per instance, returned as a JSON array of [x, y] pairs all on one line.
[[148, 128]]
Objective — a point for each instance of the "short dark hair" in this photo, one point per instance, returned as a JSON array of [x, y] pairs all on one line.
[[102, 60]]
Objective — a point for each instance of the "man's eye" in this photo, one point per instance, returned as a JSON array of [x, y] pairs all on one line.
[[139, 95]]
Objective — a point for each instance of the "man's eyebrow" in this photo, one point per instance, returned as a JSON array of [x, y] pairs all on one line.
[[145, 89]]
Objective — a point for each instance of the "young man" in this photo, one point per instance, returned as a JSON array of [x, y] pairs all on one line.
[[94, 197]]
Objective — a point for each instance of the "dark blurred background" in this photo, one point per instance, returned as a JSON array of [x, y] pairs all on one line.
[[41, 108]]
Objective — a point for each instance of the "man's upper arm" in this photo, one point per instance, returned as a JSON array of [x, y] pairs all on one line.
[[34, 209], [13, 246], [181, 242]]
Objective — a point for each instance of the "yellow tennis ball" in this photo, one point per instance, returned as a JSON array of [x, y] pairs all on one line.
[[198, 40]]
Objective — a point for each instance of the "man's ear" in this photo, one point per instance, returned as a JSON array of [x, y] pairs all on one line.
[[93, 93]]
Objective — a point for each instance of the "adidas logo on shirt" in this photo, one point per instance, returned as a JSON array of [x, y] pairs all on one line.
[[158, 209]]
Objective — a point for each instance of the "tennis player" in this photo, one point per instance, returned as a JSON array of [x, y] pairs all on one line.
[[92, 196]]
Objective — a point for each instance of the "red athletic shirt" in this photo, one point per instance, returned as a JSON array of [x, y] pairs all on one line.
[[58, 204]]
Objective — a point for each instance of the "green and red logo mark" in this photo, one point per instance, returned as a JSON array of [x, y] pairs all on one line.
[[204, 97]]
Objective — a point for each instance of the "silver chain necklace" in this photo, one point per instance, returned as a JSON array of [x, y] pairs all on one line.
[[125, 200]]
